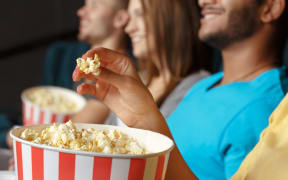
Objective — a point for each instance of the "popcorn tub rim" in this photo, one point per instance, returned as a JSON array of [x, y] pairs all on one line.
[[68, 91], [125, 130]]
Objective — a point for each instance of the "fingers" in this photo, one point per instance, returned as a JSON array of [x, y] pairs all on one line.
[[100, 90], [116, 80], [87, 89], [77, 74], [112, 60], [107, 76], [106, 56], [116, 71]]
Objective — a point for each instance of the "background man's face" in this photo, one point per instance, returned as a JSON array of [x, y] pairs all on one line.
[[225, 22], [96, 20]]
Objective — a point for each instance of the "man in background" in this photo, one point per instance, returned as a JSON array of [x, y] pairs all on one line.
[[102, 24]]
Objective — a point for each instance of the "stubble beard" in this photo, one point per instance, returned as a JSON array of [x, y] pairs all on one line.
[[242, 24]]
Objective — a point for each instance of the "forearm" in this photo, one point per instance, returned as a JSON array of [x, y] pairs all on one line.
[[177, 167], [153, 121]]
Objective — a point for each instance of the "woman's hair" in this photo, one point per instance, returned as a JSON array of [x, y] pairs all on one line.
[[172, 27], [122, 4]]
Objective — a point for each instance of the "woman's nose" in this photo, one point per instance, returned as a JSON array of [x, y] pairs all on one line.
[[130, 27], [81, 11]]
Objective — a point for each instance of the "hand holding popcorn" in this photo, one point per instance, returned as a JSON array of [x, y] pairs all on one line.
[[120, 88]]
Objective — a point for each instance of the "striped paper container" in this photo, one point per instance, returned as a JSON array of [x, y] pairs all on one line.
[[41, 162], [33, 114]]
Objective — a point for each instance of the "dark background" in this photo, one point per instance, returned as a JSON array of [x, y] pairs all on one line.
[[27, 29]]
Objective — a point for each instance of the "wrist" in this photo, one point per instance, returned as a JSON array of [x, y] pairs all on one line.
[[153, 121]]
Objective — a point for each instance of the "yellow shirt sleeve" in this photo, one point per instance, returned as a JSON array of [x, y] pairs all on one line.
[[269, 158]]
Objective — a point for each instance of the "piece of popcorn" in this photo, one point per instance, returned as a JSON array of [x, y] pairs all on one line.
[[89, 65], [69, 137]]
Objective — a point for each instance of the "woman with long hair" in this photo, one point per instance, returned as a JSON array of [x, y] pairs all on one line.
[[167, 66], [168, 53]]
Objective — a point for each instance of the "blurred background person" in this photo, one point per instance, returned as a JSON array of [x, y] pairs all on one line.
[[167, 66], [101, 25]]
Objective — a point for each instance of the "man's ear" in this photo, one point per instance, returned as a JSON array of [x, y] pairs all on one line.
[[121, 19], [272, 10]]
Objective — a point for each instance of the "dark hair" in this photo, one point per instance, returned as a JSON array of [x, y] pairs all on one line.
[[283, 28], [122, 4], [173, 27], [281, 32], [284, 20]]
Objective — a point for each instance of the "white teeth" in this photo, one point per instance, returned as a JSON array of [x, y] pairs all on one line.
[[209, 16], [136, 39], [83, 24]]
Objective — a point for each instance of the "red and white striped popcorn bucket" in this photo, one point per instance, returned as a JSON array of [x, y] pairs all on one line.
[[33, 114], [42, 162]]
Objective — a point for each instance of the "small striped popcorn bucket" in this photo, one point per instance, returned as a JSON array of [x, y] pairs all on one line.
[[33, 113], [42, 162]]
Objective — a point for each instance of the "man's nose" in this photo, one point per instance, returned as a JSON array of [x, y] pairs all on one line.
[[203, 3]]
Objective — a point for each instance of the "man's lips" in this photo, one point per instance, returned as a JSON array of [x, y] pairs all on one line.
[[84, 23], [210, 13]]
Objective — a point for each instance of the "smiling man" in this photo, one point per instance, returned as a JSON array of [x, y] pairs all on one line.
[[223, 115]]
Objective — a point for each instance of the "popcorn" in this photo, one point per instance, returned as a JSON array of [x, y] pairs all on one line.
[[89, 65], [69, 137], [53, 101]]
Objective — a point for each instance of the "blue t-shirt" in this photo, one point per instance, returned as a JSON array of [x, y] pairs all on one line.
[[215, 128]]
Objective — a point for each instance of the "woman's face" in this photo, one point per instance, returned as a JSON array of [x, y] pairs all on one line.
[[136, 29]]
